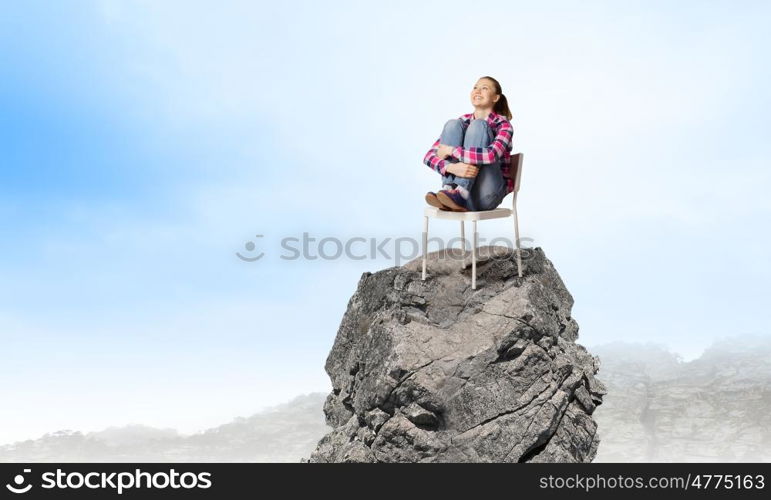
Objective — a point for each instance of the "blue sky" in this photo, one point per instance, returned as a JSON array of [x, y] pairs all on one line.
[[143, 143]]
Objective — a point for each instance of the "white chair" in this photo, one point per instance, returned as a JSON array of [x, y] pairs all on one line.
[[497, 213]]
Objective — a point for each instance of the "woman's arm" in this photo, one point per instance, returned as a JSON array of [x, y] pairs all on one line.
[[490, 154], [433, 161], [445, 167]]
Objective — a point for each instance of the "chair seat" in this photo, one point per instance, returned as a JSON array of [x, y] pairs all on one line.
[[496, 213]]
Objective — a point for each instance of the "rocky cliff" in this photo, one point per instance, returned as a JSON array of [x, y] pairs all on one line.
[[433, 371]]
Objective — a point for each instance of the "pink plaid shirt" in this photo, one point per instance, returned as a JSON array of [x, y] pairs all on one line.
[[498, 150]]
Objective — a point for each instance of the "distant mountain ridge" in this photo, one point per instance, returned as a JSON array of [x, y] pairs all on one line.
[[283, 433], [658, 408]]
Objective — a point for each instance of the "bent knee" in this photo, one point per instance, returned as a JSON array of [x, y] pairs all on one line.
[[455, 122], [480, 125]]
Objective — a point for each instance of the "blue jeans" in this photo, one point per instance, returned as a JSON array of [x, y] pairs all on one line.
[[488, 188]]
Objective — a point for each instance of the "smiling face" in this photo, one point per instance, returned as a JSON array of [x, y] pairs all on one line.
[[483, 94]]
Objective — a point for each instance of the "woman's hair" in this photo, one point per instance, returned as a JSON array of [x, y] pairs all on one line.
[[502, 106]]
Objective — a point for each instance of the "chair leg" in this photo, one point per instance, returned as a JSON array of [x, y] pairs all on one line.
[[462, 238], [516, 237], [474, 259], [425, 243]]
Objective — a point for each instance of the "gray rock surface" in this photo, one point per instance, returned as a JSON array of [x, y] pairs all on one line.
[[433, 371]]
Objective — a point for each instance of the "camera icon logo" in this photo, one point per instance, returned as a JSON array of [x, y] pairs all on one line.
[[18, 481]]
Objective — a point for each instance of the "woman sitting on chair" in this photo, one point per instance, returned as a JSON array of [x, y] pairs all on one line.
[[473, 153]]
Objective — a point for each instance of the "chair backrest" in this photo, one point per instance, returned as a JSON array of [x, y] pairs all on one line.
[[515, 171]]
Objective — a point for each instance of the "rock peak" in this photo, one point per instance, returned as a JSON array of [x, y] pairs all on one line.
[[433, 371]]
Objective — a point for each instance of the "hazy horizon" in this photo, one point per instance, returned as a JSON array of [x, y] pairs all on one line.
[[143, 144], [657, 408], [732, 344]]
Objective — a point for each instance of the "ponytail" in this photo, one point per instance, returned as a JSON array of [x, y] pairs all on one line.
[[501, 106]]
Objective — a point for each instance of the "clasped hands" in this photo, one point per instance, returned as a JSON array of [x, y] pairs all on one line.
[[460, 169]]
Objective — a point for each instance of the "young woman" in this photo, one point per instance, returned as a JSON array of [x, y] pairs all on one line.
[[473, 153]]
